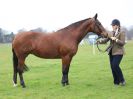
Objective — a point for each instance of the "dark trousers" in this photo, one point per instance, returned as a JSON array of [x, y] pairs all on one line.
[[116, 70]]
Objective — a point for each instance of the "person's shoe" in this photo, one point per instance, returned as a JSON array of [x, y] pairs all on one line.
[[123, 83]]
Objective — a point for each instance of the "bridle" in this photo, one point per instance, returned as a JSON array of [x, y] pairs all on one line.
[[99, 37]]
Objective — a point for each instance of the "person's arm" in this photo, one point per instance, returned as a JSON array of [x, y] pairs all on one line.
[[103, 41], [121, 40]]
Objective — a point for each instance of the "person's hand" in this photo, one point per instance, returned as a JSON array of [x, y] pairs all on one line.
[[98, 41], [113, 38]]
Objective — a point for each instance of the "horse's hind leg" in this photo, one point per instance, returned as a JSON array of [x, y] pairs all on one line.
[[15, 77], [15, 65], [21, 70], [65, 69]]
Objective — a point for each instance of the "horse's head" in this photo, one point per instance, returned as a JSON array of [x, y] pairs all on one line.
[[97, 27]]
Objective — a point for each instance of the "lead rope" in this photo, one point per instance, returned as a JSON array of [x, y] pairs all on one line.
[[103, 51]]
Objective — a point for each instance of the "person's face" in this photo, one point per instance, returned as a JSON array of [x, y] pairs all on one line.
[[114, 27]]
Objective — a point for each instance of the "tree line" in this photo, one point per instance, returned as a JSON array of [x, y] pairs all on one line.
[[7, 37]]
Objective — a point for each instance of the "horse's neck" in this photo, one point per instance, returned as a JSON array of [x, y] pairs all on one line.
[[77, 30], [82, 31]]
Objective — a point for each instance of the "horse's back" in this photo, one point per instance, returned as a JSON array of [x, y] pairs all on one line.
[[24, 41], [27, 35]]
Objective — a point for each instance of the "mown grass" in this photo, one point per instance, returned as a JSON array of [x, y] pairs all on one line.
[[90, 76]]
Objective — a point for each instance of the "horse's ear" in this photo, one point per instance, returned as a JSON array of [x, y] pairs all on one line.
[[95, 17]]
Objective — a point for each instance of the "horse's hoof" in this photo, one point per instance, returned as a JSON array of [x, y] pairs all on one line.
[[23, 86], [15, 85], [67, 83], [63, 84]]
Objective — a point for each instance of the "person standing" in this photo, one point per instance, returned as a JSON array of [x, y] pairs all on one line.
[[116, 51]]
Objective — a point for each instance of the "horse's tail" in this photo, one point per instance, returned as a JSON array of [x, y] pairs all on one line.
[[15, 63]]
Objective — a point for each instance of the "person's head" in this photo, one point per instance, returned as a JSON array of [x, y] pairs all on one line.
[[115, 24]]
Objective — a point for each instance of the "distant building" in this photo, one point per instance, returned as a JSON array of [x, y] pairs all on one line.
[[82, 42], [92, 39]]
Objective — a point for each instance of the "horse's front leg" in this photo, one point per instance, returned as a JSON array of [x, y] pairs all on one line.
[[66, 60]]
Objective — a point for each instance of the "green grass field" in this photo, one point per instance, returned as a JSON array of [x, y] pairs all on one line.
[[90, 77]]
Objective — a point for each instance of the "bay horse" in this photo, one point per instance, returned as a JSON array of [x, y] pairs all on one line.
[[62, 44]]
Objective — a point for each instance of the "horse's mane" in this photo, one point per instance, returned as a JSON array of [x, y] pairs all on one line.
[[73, 25]]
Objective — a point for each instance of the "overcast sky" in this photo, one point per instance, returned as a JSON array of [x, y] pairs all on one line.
[[56, 14]]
